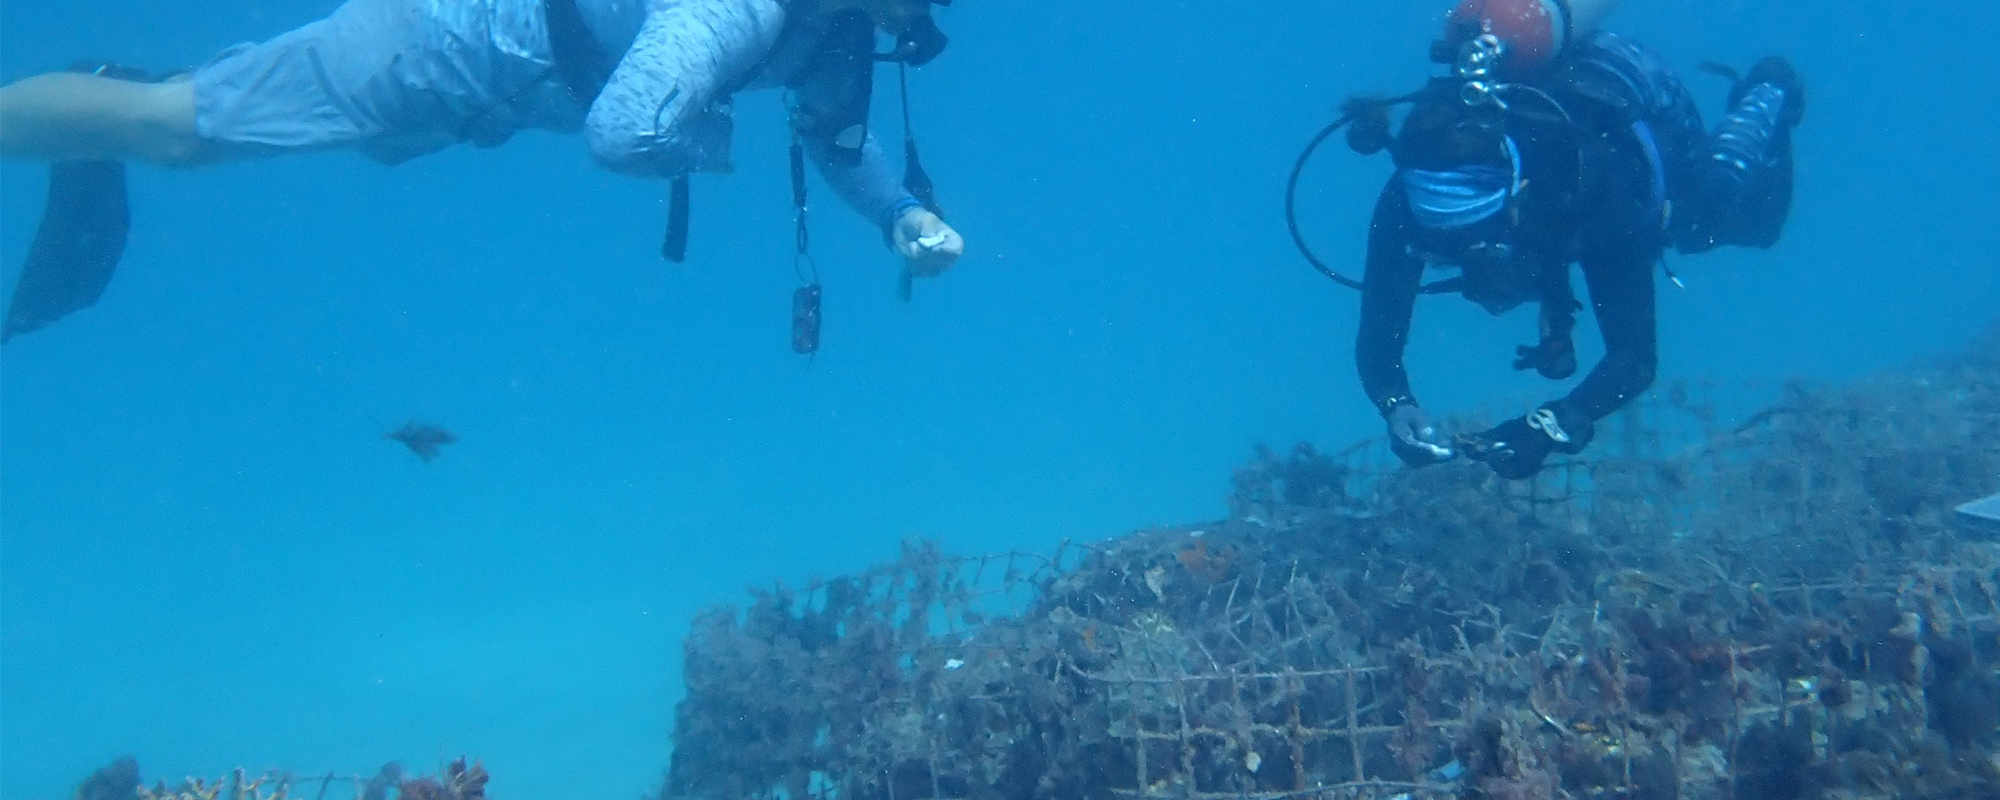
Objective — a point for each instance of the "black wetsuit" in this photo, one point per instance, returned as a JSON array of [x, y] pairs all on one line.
[[1645, 175]]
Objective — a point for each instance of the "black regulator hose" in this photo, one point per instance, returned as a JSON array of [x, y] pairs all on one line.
[[1291, 203]]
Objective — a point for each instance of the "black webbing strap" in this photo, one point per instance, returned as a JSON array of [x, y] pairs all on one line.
[[916, 181], [585, 70], [579, 60], [806, 299], [802, 233], [675, 247]]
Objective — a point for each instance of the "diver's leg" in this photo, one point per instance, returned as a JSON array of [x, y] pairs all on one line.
[[1746, 183], [81, 117], [392, 79]]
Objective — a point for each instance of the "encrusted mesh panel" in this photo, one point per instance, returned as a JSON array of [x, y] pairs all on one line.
[[1770, 602]]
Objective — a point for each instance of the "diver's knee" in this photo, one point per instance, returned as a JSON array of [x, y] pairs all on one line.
[[181, 151], [167, 133]]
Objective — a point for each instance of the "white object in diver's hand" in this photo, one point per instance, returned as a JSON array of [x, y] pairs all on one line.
[[1437, 451], [1426, 440], [932, 241]]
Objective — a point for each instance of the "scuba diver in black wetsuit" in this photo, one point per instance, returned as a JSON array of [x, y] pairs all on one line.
[[1598, 158]]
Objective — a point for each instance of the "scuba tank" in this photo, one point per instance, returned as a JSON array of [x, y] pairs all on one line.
[[1493, 48], [1516, 39]]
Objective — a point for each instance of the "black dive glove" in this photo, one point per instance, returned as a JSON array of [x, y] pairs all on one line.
[[1515, 449], [1412, 436]]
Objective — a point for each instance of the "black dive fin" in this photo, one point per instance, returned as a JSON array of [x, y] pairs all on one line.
[[77, 247]]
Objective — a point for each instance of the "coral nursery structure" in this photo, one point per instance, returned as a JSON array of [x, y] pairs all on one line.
[[1713, 605], [1772, 603], [457, 781]]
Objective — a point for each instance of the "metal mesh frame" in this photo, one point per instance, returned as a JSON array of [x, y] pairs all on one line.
[[1759, 601]]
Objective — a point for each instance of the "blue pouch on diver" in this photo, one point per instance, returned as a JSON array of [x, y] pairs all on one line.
[[76, 248]]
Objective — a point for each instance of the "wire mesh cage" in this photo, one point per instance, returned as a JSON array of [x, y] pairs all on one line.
[[120, 780], [1725, 600], [1738, 595]]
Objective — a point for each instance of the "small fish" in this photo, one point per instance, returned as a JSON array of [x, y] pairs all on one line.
[[422, 438]]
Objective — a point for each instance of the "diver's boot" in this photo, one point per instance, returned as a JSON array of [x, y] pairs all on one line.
[[1777, 73], [1758, 128], [1746, 184], [1774, 72]]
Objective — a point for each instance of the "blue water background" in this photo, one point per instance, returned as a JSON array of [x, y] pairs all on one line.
[[210, 557]]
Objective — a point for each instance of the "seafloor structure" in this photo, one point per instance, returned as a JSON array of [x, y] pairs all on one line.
[[1763, 605], [120, 780], [1713, 605]]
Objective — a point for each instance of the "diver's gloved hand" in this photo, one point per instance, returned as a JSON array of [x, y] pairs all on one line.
[[1777, 72], [1414, 439], [927, 245], [1554, 359], [1515, 449]]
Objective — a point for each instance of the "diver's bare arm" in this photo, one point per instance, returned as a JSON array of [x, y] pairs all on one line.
[[65, 115]]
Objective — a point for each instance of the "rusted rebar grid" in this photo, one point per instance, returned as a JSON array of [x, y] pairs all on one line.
[[1720, 600]]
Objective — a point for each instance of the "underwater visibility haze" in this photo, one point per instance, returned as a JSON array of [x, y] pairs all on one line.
[[354, 464]]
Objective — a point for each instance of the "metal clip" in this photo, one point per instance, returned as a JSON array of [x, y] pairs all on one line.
[[1476, 93], [1478, 57]]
